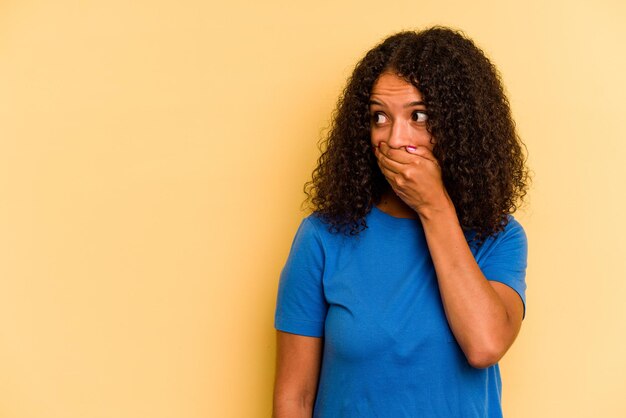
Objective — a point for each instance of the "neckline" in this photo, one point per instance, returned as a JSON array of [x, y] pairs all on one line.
[[393, 220]]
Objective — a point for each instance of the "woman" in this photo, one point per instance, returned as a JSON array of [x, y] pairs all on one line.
[[406, 285]]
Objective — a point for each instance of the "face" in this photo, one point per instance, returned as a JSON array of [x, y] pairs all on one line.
[[397, 113]]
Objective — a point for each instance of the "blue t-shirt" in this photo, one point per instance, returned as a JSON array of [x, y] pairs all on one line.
[[374, 298]]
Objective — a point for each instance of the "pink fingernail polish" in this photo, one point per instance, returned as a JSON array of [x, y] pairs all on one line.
[[411, 148]]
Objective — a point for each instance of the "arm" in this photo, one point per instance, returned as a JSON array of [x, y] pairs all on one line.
[[485, 316], [298, 363], [300, 315]]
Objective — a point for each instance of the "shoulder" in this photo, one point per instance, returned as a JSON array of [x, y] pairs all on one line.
[[315, 225], [512, 231], [511, 239], [312, 227], [512, 228], [314, 221], [312, 234], [513, 223]]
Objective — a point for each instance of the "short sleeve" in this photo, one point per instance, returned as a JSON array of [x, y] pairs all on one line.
[[506, 259], [300, 305]]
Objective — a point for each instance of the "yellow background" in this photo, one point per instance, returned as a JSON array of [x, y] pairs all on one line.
[[152, 157]]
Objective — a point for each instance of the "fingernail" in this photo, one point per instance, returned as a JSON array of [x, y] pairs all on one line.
[[411, 148]]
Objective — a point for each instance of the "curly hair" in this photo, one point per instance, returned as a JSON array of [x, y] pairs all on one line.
[[477, 146]]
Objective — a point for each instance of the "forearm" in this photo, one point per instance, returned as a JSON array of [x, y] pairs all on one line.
[[298, 362], [476, 314], [292, 408]]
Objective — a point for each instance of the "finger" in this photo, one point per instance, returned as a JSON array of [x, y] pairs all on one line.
[[389, 164], [400, 155], [423, 152], [389, 175]]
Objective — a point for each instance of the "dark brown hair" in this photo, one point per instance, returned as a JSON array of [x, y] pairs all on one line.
[[477, 146]]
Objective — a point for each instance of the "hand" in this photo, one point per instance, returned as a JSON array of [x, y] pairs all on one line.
[[414, 175]]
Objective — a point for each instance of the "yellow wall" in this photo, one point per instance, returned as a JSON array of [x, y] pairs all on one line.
[[152, 155]]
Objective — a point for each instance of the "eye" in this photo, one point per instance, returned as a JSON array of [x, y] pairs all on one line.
[[419, 116], [379, 118]]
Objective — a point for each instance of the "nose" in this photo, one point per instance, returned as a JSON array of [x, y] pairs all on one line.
[[399, 136]]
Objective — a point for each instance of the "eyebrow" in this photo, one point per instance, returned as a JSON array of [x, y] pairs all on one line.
[[374, 102]]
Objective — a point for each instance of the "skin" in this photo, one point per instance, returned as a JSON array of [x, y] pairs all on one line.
[[398, 125], [298, 364], [485, 316]]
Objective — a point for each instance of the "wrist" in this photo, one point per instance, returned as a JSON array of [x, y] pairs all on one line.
[[443, 209]]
